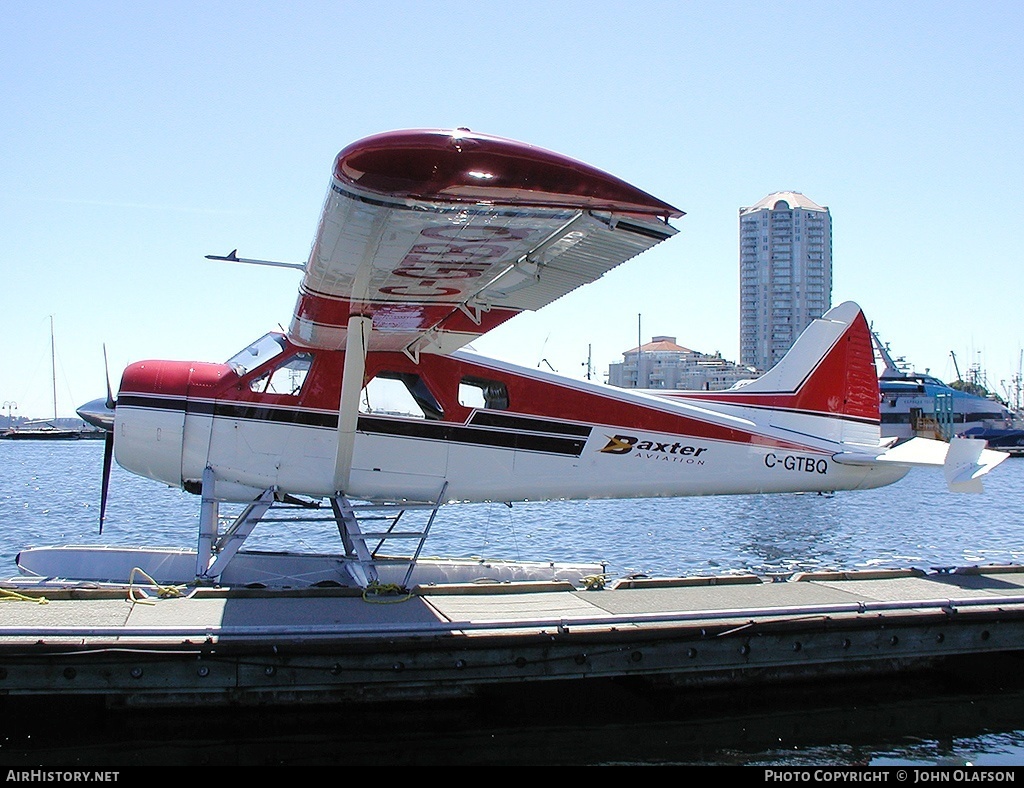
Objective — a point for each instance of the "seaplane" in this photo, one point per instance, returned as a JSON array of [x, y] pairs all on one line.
[[371, 404]]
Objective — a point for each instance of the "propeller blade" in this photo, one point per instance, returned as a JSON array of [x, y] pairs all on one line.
[[100, 413], [111, 402], [108, 455]]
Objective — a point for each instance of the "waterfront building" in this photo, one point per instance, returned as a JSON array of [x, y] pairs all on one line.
[[663, 364], [785, 274]]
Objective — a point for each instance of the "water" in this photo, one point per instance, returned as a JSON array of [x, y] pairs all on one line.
[[49, 494]]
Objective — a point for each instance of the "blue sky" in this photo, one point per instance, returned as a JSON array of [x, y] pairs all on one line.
[[139, 137]]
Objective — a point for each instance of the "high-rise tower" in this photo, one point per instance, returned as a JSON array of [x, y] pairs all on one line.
[[785, 274]]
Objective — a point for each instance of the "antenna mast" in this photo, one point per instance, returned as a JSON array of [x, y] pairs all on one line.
[[53, 369]]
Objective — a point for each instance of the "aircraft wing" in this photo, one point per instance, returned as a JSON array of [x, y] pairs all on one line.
[[440, 236]]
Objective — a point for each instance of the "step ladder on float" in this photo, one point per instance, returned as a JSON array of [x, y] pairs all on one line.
[[220, 539]]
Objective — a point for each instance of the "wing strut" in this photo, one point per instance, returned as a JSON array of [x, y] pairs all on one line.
[[356, 342]]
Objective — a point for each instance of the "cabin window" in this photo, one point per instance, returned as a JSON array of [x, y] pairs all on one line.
[[482, 393], [257, 354], [399, 394], [286, 378]]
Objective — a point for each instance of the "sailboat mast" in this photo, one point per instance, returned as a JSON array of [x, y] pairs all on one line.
[[53, 369]]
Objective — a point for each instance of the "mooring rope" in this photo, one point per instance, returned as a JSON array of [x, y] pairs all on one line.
[[163, 592], [376, 593], [7, 595]]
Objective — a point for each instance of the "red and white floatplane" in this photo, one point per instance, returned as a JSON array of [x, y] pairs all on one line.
[[427, 240]]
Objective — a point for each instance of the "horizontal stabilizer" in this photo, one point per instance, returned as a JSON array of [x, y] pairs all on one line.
[[963, 460], [967, 461]]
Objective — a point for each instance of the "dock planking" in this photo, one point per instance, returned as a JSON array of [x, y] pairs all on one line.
[[179, 646]]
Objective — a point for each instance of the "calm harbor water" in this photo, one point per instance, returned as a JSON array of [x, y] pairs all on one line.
[[49, 494]]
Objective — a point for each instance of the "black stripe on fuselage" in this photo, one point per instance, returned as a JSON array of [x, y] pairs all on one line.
[[489, 418], [510, 432], [766, 408], [230, 410], [455, 433]]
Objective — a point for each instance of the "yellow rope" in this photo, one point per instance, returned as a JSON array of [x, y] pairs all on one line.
[[593, 582], [376, 589], [13, 596], [164, 592]]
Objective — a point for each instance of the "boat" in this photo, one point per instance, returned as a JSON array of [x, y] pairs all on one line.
[[914, 404], [1009, 440], [50, 429]]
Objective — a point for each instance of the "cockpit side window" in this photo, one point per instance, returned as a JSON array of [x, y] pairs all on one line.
[[284, 378], [399, 394]]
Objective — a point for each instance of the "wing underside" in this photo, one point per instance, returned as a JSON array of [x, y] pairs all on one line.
[[436, 271]]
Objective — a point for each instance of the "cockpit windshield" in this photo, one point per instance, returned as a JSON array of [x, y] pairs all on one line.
[[263, 349]]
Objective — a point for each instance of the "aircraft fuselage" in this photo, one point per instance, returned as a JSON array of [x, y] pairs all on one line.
[[492, 431]]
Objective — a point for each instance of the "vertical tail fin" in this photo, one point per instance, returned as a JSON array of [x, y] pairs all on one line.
[[830, 369], [826, 385]]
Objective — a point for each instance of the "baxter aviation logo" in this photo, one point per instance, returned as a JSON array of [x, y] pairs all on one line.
[[653, 450]]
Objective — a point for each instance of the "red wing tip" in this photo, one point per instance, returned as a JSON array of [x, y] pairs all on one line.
[[461, 165]]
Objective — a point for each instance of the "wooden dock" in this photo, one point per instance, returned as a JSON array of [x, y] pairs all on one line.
[[152, 645]]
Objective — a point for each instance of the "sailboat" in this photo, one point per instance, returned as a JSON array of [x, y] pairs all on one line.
[[47, 429]]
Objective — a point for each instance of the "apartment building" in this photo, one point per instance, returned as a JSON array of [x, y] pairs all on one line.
[[785, 274]]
